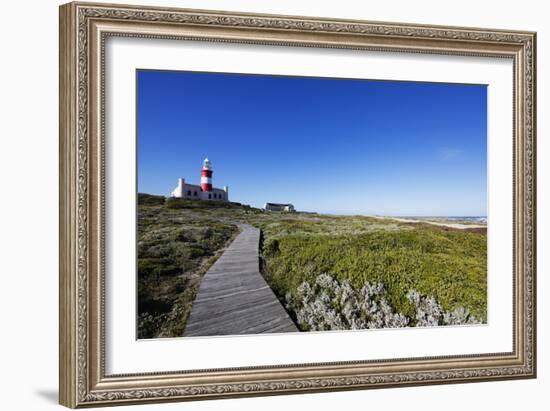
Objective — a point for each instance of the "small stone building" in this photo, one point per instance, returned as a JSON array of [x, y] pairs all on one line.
[[289, 208]]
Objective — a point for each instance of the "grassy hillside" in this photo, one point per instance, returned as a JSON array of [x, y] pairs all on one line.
[[174, 251], [321, 267], [449, 265]]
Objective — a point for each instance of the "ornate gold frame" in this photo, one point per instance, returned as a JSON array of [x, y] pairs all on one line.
[[83, 30]]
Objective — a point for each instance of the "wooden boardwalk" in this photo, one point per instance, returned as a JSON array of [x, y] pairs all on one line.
[[234, 298]]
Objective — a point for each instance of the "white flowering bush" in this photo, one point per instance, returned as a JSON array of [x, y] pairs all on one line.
[[330, 305], [327, 304], [429, 312], [459, 316]]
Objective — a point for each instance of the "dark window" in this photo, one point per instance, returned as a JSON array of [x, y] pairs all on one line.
[[195, 194], [188, 192], [209, 195]]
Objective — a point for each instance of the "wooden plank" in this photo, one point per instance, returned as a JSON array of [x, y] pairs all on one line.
[[234, 298]]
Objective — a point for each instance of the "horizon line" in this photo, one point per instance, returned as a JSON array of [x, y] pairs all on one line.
[[350, 213]]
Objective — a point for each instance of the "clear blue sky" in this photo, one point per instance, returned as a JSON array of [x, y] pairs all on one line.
[[326, 145]]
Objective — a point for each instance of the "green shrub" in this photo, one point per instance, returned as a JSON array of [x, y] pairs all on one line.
[[150, 199], [157, 266], [181, 203], [271, 248], [449, 265]]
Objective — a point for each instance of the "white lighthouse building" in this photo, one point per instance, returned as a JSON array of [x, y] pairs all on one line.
[[204, 191]]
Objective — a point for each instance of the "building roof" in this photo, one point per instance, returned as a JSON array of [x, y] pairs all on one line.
[[198, 187], [279, 204]]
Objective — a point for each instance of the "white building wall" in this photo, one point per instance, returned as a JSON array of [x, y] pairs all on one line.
[[179, 190], [194, 192], [216, 194], [191, 191]]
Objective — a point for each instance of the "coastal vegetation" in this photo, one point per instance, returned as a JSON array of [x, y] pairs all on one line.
[[330, 272], [449, 265], [174, 251]]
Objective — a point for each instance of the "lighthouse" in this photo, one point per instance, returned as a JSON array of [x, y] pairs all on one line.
[[204, 191], [206, 176]]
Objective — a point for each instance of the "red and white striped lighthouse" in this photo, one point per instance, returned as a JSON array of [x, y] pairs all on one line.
[[206, 176]]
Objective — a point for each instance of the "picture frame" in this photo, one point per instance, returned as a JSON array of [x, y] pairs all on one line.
[[84, 30]]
